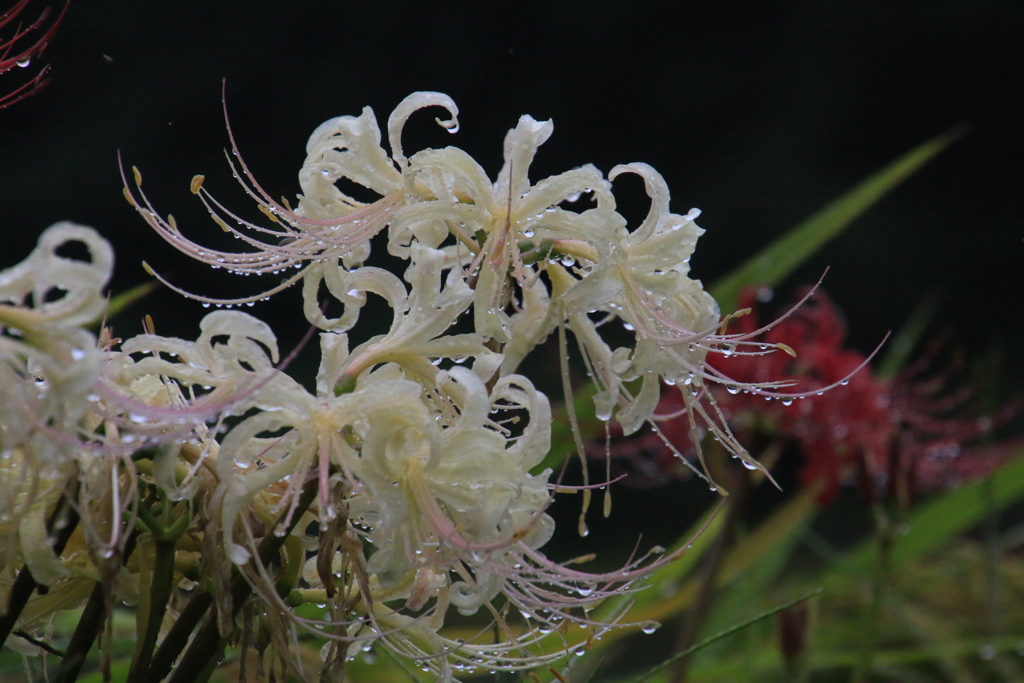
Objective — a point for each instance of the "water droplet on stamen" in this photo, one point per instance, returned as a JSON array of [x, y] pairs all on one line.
[[650, 627]]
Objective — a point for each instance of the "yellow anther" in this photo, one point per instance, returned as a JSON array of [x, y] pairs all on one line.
[[267, 212]]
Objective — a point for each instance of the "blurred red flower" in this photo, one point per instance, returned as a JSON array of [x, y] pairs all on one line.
[[26, 43], [901, 437]]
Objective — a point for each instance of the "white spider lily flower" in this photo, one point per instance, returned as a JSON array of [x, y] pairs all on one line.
[[327, 225], [493, 219], [48, 368], [48, 362], [418, 337], [642, 278]]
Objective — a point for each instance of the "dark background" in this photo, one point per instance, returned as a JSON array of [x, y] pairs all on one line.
[[757, 113]]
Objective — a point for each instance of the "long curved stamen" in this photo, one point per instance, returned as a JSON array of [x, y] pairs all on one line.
[[331, 239]]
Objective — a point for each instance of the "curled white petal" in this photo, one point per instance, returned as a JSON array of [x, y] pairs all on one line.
[[405, 109]]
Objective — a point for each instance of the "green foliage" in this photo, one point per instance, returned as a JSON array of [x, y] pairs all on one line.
[[125, 300], [780, 258]]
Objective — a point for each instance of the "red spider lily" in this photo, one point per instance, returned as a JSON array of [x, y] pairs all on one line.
[[839, 431], [21, 48], [934, 447], [898, 438]]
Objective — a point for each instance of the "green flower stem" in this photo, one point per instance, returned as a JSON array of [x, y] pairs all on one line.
[[291, 572], [159, 596], [994, 589], [64, 519], [166, 533], [89, 625], [208, 643], [710, 574], [42, 645], [886, 532], [176, 639]]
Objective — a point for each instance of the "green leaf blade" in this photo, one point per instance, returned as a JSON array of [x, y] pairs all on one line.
[[780, 258]]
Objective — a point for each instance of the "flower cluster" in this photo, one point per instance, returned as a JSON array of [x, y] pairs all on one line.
[[77, 416], [418, 455], [49, 370]]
